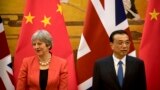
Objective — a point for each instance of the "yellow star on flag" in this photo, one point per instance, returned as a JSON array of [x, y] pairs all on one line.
[[46, 21], [59, 9], [154, 14], [29, 18]]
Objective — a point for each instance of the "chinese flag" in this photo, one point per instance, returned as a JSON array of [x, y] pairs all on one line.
[[6, 73], [149, 47], [103, 17], [45, 14]]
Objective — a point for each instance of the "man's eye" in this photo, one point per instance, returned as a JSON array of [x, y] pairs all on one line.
[[119, 43], [39, 43]]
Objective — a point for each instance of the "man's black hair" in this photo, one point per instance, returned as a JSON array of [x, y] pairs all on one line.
[[117, 32]]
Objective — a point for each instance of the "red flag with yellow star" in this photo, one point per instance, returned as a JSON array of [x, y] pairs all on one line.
[[45, 14], [149, 48]]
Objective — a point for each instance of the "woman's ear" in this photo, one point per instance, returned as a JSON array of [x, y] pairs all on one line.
[[49, 47]]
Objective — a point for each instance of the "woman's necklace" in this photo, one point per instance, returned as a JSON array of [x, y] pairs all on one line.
[[44, 63]]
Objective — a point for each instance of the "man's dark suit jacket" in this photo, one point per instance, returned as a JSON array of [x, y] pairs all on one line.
[[105, 78]]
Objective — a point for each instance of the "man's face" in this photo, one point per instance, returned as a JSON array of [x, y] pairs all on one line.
[[120, 45]]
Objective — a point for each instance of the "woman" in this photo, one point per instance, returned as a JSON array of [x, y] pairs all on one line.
[[43, 71]]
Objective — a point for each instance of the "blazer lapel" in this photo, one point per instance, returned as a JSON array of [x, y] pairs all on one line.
[[35, 70], [51, 71]]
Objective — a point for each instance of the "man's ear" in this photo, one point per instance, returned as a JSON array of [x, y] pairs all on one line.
[[111, 45]]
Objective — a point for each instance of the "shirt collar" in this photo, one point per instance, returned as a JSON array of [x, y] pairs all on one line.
[[116, 60]]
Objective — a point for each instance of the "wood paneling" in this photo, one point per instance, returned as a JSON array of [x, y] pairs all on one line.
[[74, 13]]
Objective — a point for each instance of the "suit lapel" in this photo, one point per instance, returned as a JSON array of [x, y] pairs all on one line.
[[128, 69], [113, 74]]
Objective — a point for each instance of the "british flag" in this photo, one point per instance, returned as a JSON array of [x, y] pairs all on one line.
[[6, 78], [103, 17]]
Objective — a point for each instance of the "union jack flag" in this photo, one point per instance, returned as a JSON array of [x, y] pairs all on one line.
[[6, 72], [103, 17]]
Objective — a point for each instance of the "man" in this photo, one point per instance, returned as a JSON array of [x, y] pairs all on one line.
[[128, 75]]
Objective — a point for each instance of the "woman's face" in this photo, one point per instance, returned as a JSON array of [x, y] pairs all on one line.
[[40, 47]]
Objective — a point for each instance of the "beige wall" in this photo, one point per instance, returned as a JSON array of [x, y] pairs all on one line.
[[74, 13]]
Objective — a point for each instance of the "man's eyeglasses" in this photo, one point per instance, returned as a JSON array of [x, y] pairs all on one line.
[[122, 42]]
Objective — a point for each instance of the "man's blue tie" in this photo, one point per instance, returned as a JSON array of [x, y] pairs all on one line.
[[120, 73]]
